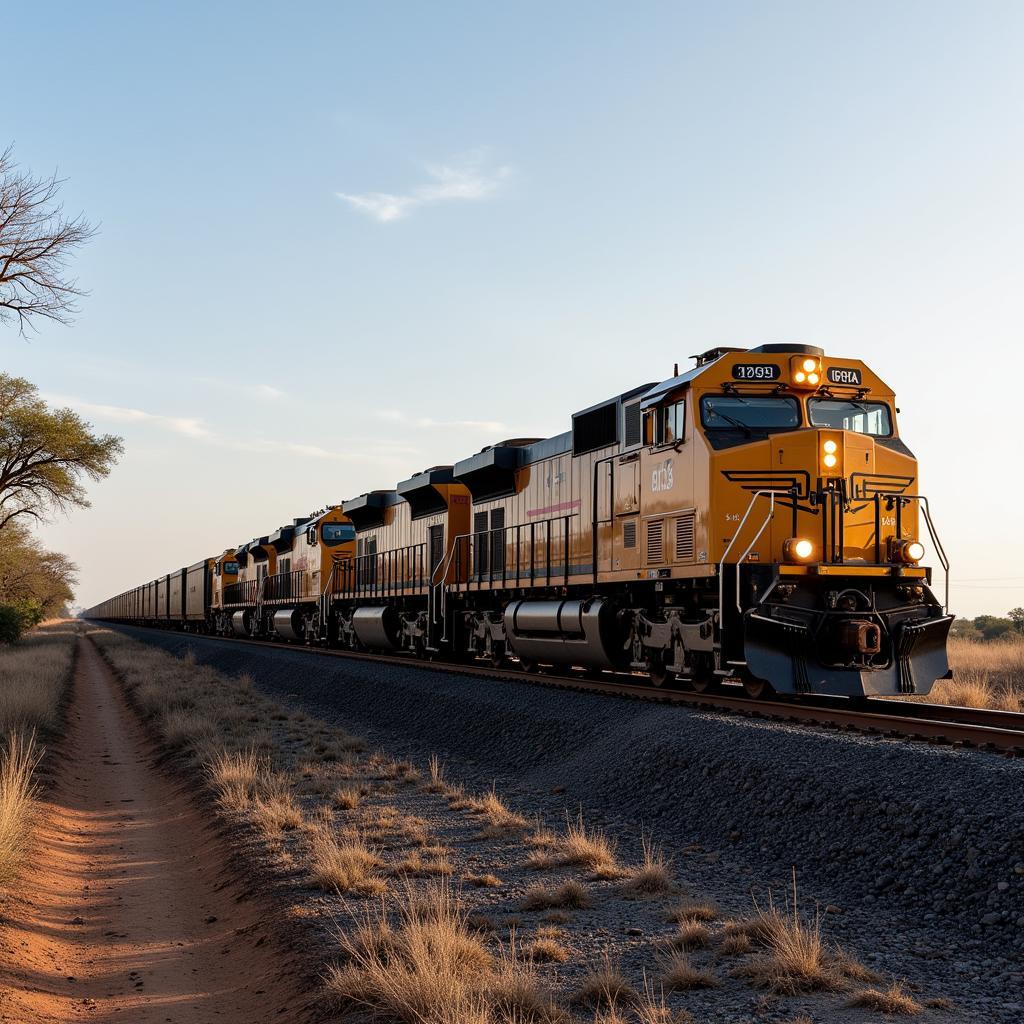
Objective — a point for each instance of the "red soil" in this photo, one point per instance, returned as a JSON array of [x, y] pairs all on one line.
[[130, 910]]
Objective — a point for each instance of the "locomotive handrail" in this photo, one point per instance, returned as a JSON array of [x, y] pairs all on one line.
[[934, 534], [732, 542]]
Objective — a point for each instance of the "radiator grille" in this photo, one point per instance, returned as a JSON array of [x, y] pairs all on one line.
[[654, 540], [684, 538], [629, 535]]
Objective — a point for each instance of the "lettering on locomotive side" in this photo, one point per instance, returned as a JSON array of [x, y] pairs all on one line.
[[843, 375], [661, 477]]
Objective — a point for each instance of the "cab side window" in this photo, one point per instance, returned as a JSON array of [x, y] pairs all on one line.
[[669, 427]]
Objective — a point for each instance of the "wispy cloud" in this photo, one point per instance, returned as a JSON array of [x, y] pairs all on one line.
[[255, 390], [190, 426], [463, 179], [397, 416], [373, 452]]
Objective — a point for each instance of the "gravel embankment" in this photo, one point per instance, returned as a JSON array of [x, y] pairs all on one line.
[[917, 852]]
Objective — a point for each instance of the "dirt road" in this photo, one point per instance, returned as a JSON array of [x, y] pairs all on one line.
[[130, 911]]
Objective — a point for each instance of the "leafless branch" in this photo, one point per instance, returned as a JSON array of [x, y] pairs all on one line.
[[36, 240]]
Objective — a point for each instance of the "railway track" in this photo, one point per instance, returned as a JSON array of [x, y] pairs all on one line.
[[981, 728]]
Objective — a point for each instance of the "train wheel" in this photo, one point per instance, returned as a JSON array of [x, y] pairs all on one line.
[[657, 672], [756, 689], [527, 665], [495, 653]]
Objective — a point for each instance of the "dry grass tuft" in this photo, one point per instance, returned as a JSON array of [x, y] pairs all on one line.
[[735, 944], [423, 864], [679, 975], [430, 967], [687, 910], [894, 1001], [436, 784], [653, 877], [347, 797], [605, 986], [587, 847], [484, 881], [19, 758], [570, 894], [347, 865], [794, 959], [496, 813], [546, 950], [690, 935]]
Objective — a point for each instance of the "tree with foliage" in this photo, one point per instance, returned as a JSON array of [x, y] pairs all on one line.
[[1017, 618], [992, 627], [35, 584], [36, 240], [46, 454]]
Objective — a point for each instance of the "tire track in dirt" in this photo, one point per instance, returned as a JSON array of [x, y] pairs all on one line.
[[130, 910]]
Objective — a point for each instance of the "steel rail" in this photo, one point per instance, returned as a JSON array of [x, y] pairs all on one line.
[[934, 723]]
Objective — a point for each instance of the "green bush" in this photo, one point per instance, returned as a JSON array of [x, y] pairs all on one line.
[[12, 624]]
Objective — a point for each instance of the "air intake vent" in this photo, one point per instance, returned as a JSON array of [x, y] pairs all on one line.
[[684, 538], [654, 538], [631, 415], [629, 535], [595, 429]]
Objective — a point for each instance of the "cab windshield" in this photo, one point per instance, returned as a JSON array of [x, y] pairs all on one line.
[[230, 569], [863, 417], [335, 533], [756, 413]]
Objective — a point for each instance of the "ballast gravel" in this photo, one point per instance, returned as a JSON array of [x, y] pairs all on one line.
[[913, 853]]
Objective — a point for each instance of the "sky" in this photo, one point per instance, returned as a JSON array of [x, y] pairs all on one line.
[[339, 243]]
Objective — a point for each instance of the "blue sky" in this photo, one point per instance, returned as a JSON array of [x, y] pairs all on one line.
[[341, 242]]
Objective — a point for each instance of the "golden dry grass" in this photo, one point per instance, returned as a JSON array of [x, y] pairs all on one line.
[[495, 812], [34, 675], [482, 881], [570, 894], [794, 958], [546, 950], [19, 758], [689, 935], [690, 910], [893, 1001], [436, 784], [430, 967], [347, 865], [586, 847], [653, 876], [605, 986], [679, 975], [985, 675]]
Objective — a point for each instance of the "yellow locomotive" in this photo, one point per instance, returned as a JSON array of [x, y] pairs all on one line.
[[755, 519]]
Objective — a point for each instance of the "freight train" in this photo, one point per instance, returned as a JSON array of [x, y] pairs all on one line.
[[756, 519]]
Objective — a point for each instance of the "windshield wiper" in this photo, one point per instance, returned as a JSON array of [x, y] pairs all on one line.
[[735, 422]]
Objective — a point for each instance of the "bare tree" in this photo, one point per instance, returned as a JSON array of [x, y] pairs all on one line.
[[35, 242]]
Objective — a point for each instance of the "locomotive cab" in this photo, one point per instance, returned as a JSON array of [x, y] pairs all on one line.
[[808, 513]]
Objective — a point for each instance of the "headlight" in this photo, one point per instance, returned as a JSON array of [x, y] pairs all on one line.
[[809, 365], [798, 549], [830, 447], [830, 461], [909, 551]]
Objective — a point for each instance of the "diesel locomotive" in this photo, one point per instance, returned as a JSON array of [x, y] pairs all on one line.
[[755, 519]]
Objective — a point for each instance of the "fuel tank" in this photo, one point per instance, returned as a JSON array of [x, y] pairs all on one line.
[[288, 624], [376, 627], [585, 633]]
